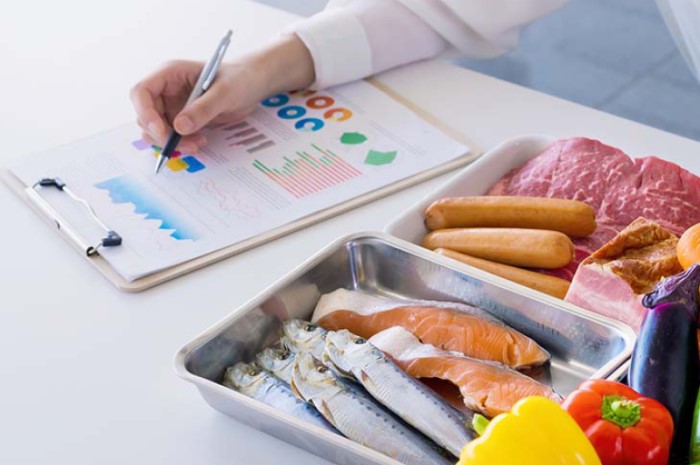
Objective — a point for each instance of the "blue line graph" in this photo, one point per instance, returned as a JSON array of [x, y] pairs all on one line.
[[124, 189]]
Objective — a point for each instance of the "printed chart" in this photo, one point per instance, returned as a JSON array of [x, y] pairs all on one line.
[[377, 158], [247, 136], [227, 199], [307, 173], [298, 155], [308, 112], [125, 189], [352, 138], [177, 162]]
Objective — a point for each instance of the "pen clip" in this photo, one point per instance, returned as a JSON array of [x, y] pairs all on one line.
[[111, 239]]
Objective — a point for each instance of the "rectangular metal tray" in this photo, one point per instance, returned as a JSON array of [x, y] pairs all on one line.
[[583, 345]]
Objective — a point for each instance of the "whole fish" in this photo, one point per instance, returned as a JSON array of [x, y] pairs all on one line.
[[302, 336], [416, 404], [251, 380], [356, 415], [278, 361]]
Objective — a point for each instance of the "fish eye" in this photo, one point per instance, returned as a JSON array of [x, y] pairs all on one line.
[[322, 369], [283, 354], [308, 327], [360, 340]]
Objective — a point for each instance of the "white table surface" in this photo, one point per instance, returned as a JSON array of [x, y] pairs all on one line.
[[86, 374]]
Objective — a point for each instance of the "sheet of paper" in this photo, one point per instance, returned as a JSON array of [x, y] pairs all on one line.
[[297, 154]]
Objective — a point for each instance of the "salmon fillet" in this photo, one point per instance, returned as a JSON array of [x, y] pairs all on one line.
[[447, 329], [487, 388]]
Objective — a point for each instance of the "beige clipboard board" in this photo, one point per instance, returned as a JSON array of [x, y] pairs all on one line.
[[162, 276]]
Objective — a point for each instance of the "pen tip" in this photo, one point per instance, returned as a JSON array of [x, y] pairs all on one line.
[[159, 163]]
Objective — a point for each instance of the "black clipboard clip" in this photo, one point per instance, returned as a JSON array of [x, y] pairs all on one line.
[[111, 239]]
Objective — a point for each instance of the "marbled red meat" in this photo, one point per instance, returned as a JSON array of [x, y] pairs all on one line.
[[618, 188]]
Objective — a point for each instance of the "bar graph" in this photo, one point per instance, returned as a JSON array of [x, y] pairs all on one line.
[[309, 172], [247, 136]]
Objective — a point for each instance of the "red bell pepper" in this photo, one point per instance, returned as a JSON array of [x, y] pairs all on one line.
[[624, 427]]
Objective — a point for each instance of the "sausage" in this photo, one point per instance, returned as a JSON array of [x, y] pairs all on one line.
[[571, 217], [531, 248], [551, 285]]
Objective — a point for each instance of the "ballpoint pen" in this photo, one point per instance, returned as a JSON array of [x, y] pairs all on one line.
[[205, 80]]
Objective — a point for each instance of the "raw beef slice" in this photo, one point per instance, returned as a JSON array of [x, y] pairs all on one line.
[[614, 279], [618, 188]]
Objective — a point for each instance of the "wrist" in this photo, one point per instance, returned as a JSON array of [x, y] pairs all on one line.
[[284, 65]]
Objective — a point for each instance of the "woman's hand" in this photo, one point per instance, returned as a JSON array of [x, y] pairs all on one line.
[[238, 88]]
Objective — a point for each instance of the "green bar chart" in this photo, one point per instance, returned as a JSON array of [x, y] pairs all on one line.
[[309, 172]]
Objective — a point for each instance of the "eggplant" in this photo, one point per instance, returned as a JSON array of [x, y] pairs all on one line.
[[665, 362]]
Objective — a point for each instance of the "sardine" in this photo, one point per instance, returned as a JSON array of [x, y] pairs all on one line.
[[356, 415], [251, 380], [412, 401], [278, 361], [302, 336]]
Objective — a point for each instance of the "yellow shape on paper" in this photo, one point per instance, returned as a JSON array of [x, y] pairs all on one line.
[[177, 164]]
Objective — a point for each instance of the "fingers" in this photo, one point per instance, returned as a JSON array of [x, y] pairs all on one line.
[[192, 144], [149, 118], [159, 98], [203, 110], [188, 145], [153, 97]]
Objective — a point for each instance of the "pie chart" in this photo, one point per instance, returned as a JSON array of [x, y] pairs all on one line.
[[337, 114], [309, 124], [276, 101], [291, 112], [320, 102]]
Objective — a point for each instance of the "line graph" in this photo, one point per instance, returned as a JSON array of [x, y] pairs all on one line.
[[227, 200]]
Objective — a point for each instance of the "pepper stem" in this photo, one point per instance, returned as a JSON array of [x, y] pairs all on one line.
[[480, 423], [621, 411]]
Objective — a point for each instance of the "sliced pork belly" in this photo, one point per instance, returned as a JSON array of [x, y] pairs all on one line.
[[613, 280]]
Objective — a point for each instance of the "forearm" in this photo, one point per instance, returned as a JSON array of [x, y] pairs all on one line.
[[283, 65]]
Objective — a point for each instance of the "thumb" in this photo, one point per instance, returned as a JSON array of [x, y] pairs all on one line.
[[199, 113]]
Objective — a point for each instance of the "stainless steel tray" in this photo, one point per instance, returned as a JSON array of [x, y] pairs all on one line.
[[583, 345]]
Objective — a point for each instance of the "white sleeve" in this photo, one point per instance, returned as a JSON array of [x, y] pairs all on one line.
[[353, 39]]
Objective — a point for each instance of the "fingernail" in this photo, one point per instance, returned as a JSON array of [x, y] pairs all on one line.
[[185, 124]]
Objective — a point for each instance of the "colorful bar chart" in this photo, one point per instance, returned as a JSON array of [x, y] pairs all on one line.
[[177, 162], [308, 173]]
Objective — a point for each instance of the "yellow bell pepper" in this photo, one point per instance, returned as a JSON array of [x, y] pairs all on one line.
[[537, 431]]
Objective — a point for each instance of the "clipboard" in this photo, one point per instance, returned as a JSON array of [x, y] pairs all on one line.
[[159, 277]]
